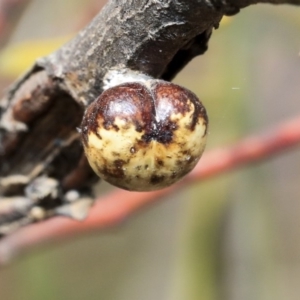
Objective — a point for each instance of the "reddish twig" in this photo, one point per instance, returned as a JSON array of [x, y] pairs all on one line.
[[114, 208]]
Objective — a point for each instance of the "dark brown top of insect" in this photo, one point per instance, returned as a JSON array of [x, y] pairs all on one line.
[[149, 109]]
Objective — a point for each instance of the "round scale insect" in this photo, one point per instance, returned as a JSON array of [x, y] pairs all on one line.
[[144, 136]]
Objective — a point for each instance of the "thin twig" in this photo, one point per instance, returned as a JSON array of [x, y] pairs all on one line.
[[114, 208]]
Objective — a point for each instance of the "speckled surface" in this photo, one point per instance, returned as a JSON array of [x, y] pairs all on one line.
[[144, 136]]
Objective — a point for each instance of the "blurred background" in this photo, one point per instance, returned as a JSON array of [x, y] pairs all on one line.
[[233, 237]]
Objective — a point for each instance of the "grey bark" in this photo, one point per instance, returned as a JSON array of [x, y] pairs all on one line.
[[43, 171]]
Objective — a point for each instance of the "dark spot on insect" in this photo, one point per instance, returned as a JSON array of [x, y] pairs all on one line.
[[179, 162], [115, 170], [159, 162], [109, 126], [98, 135], [132, 150], [156, 179], [138, 127], [146, 167], [138, 168], [119, 163], [115, 153], [109, 172], [173, 176], [161, 132]]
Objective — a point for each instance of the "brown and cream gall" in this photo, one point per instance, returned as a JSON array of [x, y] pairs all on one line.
[[144, 136]]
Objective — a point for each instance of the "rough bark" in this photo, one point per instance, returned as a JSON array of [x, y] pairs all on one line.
[[43, 171]]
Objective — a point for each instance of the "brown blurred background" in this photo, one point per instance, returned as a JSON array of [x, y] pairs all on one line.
[[234, 237]]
